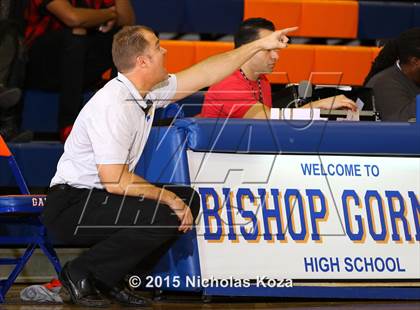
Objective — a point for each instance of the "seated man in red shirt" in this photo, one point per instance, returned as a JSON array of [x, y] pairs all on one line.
[[247, 92]]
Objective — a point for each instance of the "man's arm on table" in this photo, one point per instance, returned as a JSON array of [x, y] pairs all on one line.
[[119, 181], [261, 111], [216, 68]]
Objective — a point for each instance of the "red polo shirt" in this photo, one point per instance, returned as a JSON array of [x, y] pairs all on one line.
[[234, 96]]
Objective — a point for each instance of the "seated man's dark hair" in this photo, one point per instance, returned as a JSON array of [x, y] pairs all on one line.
[[404, 47], [408, 44], [248, 30], [386, 58]]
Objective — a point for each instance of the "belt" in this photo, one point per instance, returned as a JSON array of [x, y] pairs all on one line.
[[66, 187], [60, 187]]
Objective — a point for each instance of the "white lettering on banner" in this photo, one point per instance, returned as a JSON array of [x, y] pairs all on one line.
[[313, 217], [38, 201], [196, 281]]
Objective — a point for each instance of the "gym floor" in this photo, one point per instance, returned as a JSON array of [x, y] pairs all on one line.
[[175, 302]]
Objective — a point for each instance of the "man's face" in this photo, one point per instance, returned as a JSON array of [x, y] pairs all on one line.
[[264, 61], [156, 58]]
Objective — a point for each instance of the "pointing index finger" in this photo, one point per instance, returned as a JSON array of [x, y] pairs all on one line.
[[287, 30]]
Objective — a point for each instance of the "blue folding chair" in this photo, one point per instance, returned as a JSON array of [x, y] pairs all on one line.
[[20, 225]]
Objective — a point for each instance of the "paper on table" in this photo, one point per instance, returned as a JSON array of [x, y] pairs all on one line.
[[360, 104], [275, 113], [355, 116], [300, 114]]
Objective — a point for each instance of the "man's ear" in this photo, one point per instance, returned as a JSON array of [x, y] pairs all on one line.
[[142, 61]]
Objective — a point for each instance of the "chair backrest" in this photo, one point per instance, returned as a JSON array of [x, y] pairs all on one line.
[[7, 154]]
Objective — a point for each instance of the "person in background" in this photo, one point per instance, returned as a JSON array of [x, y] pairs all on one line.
[[247, 92], [69, 48], [12, 70], [395, 77]]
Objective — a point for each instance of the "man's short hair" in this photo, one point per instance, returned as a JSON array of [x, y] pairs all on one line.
[[249, 30], [408, 44], [128, 43]]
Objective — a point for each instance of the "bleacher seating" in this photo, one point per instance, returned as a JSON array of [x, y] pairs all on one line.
[[348, 19], [190, 15], [319, 63], [322, 64], [327, 19], [315, 18], [387, 19], [216, 16], [40, 110], [37, 161]]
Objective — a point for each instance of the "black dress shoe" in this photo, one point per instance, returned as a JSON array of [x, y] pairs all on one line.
[[82, 292], [122, 296]]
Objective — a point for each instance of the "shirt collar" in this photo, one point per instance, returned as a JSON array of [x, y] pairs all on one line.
[[132, 89], [398, 64], [238, 74]]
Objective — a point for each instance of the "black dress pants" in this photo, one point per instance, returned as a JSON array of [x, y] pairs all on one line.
[[123, 232], [69, 64]]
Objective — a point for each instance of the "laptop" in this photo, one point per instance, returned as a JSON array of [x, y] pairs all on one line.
[[288, 98]]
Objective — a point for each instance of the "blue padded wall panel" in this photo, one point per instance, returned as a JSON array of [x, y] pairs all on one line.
[[418, 108], [317, 137], [380, 19], [191, 105], [160, 15], [40, 111], [416, 15], [164, 159], [181, 260], [37, 161], [6, 176], [214, 16]]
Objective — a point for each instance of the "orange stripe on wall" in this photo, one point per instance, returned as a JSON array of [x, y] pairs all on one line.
[[207, 49], [322, 63], [295, 64], [330, 19], [283, 14], [315, 18], [341, 65], [180, 54]]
